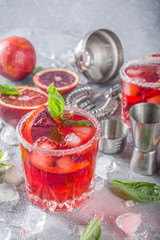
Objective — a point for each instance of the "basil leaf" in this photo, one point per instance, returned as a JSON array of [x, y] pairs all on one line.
[[5, 164], [56, 102], [37, 69], [68, 116], [137, 191], [10, 90], [79, 123], [1, 154], [92, 231]]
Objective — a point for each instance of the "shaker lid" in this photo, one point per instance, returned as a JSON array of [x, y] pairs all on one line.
[[99, 55]]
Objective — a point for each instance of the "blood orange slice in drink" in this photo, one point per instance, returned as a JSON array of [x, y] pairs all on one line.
[[40, 118], [64, 79], [14, 107], [61, 165]]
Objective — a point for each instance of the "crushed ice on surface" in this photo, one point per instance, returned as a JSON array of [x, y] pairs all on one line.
[[139, 236], [61, 61], [2, 220], [130, 203], [104, 166], [78, 230], [5, 234], [1, 124], [13, 175], [5, 155], [8, 135], [8, 192], [34, 221], [98, 183], [129, 222]]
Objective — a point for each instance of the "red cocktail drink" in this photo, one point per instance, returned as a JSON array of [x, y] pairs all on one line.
[[58, 159], [140, 80]]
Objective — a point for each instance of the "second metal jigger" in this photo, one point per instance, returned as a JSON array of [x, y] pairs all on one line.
[[145, 125]]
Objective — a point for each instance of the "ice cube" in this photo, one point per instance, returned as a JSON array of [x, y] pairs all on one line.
[[34, 221], [158, 72], [13, 175], [5, 234], [8, 135], [8, 192], [129, 222], [2, 220], [65, 163], [85, 133], [72, 140], [132, 72], [105, 165], [45, 143]]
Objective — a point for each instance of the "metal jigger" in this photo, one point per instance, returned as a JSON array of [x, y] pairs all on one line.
[[145, 125]]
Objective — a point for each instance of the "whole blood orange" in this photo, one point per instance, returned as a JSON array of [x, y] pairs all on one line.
[[14, 107], [64, 79], [17, 57]]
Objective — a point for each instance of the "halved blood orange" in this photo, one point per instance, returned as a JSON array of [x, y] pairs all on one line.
[[64, 79], [154, 54], [14, 107]]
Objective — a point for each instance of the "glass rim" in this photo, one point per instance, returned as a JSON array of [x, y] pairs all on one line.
[[60, 152], [145, 60]]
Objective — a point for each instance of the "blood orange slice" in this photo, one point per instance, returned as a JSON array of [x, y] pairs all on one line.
[[154, 99], [154, 54], [64, 79], [41, 119], [13, 108], [62, 165]]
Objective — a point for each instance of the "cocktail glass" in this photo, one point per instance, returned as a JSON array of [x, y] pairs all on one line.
[[65, 187], [140, 79]]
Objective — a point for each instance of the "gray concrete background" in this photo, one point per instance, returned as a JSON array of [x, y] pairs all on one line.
[[136, 22]]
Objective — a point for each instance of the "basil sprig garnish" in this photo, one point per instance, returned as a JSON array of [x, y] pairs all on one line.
[[137, 191], [5, 164], [1, 154], [10, 90], [56, 105], [56, 102], [92, 231], [79, 123]]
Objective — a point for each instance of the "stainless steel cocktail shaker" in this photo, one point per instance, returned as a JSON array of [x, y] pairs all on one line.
[[99, 55]]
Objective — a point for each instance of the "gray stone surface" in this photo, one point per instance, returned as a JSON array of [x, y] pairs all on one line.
[[54, 27]]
